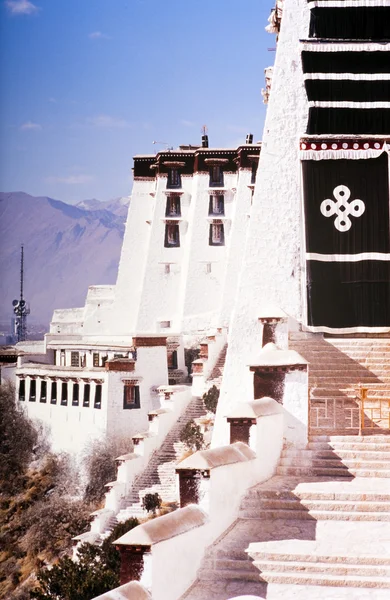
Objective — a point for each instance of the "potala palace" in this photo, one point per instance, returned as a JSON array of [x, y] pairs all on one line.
[[272, 260]]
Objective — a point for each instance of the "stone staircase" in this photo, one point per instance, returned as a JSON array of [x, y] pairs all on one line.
[[323, 520], [160, 474], [337, 368], [217, 372]]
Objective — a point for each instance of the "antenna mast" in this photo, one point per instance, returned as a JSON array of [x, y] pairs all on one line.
[[21, 309]]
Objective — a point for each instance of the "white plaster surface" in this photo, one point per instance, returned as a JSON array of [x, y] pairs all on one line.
[[271, 273]]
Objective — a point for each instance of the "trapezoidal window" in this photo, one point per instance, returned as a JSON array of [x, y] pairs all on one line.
[[173, 207], [22, 390], [216, 176], [217, 205], [172, 359], [216, 235], [174, 179], [254, 171], [43, 396], [172, 235], [53, 392], [96, 359], [33, 390], [131, 397]]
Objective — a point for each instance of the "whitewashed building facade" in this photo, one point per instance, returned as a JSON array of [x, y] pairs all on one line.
[[99, 368]]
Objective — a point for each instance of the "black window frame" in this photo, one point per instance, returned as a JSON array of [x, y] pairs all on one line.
[[86, 395], [220, 202], [53, 392], [254, 172], [64, 393], [174, 179], [22, 388], [212, 242], [97, 403], [43, 397], [176, 242], [172, 360], [75, 396], [135, 401], [74, 358], [96, 359], [216, 176], [32, 395], [173, 206]]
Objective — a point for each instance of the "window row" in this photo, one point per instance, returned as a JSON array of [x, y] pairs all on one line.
[[173, 207], [79, 359], [172, 235], [215, 174], [59, 391]]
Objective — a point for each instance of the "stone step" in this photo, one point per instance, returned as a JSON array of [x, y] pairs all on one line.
[[352, 505], [326, 580], [337, 472], [348, 438], [230, 574], [323, 568], [342, 454], [349, 446], [355, 463], [309, 515]]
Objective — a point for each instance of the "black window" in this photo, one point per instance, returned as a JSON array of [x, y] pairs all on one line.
[[216, 205], [172, 360], [64, 394], [98, 396], [76, 393], [216, 176], [87, 393], [33, 390], [104, 360], [172, 236], [96, 359], [74, 359], [131, 397], [254, 171], [53, 392], [43, 391], [22, 390], [217, 235], [174, 179], [173, 207]]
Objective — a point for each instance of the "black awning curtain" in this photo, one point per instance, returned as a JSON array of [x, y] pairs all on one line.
[[346, 23], [342, 90], [353, 121], [346, 62], [347, 230]]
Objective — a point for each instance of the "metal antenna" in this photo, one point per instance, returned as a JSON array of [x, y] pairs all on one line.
[[21, 309]]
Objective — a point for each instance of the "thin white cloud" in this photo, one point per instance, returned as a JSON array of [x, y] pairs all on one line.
[[187, 123], [21, 7], [98, 35], [108, 122], [71, 179], [30, 126]]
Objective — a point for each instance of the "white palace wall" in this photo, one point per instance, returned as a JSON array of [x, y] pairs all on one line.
[[271, 273]]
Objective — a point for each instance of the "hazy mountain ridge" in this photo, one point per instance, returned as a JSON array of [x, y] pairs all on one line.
[[67, 248]]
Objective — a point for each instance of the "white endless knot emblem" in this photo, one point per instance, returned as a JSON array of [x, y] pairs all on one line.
[[342, 208]]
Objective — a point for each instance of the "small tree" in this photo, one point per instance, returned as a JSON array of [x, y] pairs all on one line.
[[210, 399], [191, 436], [95, 572], [151, 502]]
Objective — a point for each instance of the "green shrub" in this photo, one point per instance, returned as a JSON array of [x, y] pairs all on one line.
[[192, 436], [151, 502], [210, 399]]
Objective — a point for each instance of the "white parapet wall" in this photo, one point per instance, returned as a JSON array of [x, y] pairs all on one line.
[[176, 542]]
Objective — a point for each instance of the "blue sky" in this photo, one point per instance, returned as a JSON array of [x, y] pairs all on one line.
[[86, 84]]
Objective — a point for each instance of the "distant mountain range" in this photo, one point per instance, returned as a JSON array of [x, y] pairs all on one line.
[[67, 248]]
